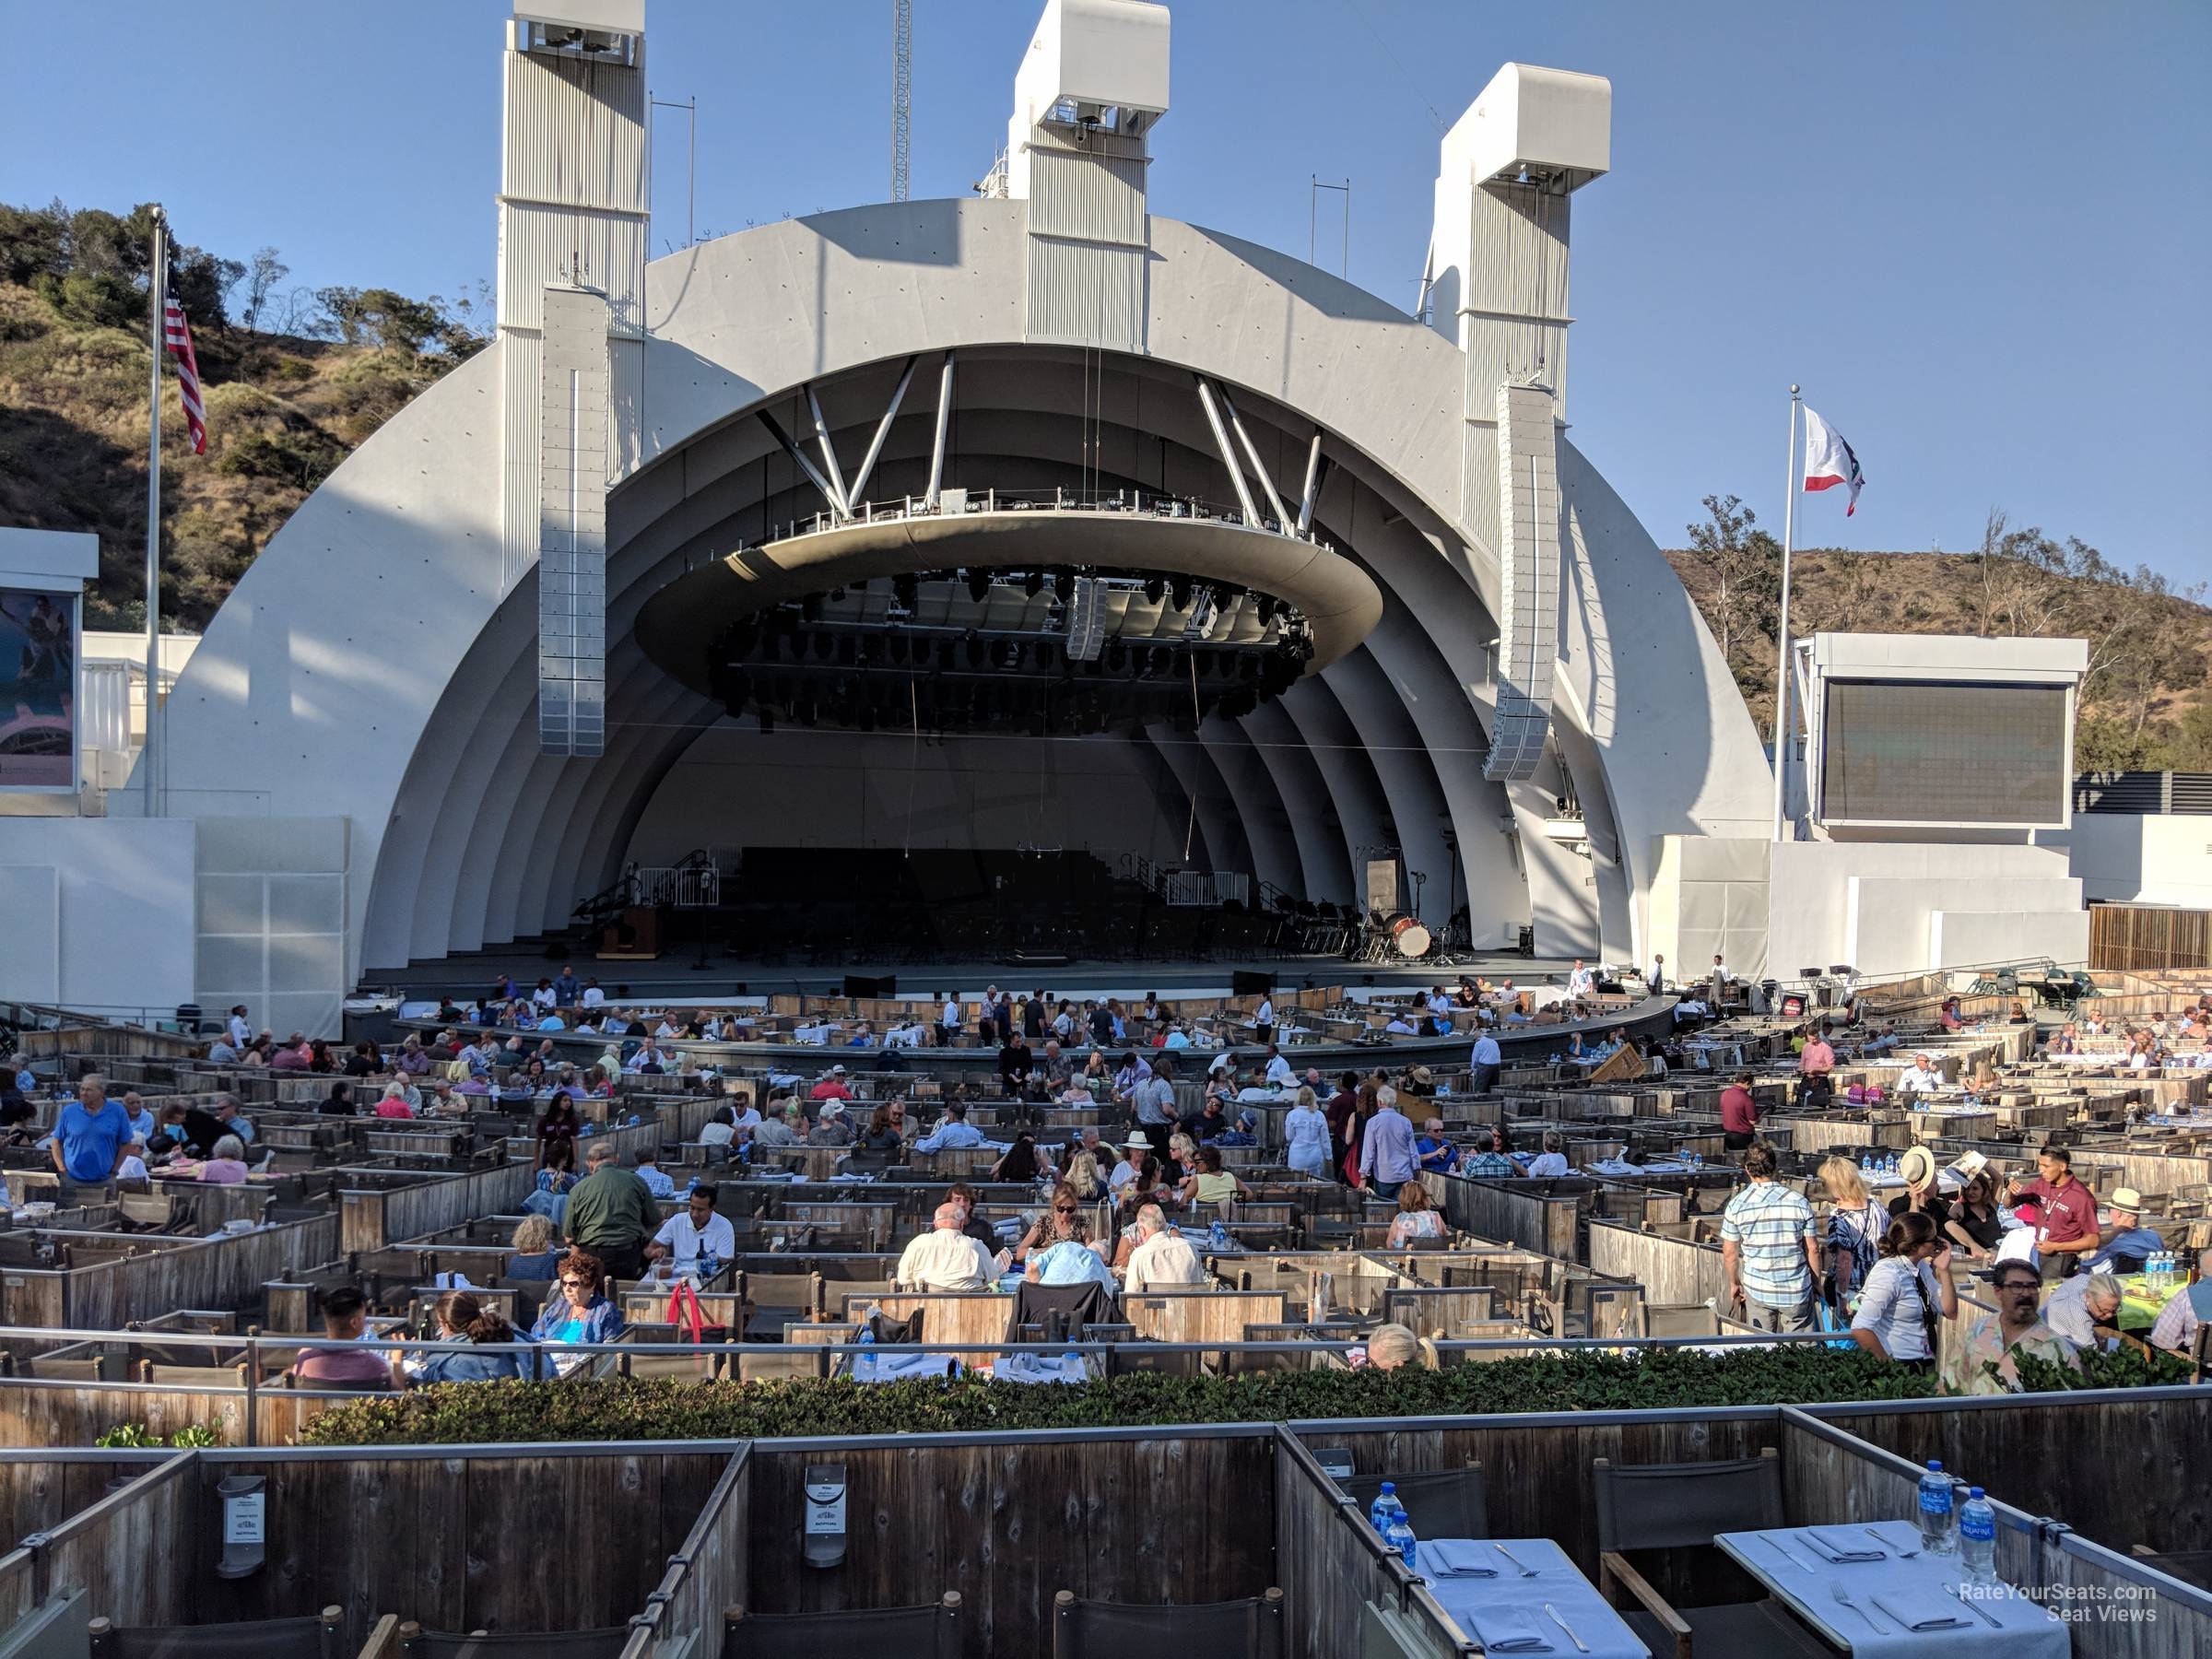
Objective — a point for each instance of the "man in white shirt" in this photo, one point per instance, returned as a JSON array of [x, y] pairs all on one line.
[[693, 1232], [1137, 1148], [1552, 1161], [953, 1132], [647, 1056], [1264, 1021], [241, 1032], [1921, 1077], [1580, 981], [1485, 1064], [593, 996], [945, 1258], [1279, 1074], [1161, 1258]]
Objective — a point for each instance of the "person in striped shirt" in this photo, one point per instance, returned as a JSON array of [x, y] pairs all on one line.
[[1769, 1248]]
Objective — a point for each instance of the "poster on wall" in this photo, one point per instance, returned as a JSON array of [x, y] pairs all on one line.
[[37, 690]]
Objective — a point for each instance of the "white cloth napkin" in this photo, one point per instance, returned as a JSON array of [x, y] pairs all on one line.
[[1841, 1547], [1922, 1610], [1504, 1630], [1460, 1557]]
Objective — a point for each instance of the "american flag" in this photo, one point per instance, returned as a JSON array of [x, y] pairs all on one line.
[[177, 334]]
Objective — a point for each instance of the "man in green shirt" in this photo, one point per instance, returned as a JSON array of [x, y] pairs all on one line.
[[611, 1214]]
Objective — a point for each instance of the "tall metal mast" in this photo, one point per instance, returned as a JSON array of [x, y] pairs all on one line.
[[903, 90]]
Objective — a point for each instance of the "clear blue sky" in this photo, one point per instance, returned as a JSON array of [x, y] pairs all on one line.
[[1977, 233]]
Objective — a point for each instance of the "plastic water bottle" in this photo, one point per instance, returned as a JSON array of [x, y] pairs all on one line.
[[1866, 1163], [1978, 1538], [1217, 1235], [1939, 1520], [1399, 1536], [1387, 1504]]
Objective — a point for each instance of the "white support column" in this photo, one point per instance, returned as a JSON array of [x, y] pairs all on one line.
[[937, 450], [833, 496], [1228, 455], [858, 493], [1252, 453], [838, 498], [1312, 490]]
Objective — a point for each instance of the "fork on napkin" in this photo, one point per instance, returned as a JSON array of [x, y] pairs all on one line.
[[1839, 1549], [1922, 1609], [1459, 1558], [1505, 1630]]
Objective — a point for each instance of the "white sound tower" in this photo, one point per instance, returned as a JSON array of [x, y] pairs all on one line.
[[573, 212]]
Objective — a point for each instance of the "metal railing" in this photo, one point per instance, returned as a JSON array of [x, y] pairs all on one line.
[[1132, 504]]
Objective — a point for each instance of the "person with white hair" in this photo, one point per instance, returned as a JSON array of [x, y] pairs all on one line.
[[228, 1166], [2083, 1308], [1923, 1076], [946, 1258], [1163, 1256], [1388, 1157]]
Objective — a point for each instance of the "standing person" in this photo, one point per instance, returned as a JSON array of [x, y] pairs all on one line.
[[1306, 1137], [1769, 1248], [611, 1214], [88, 1147], [1339, 1112], [1388, 1157], [2067, 1230], [1815, 1062], [948, 1018], [1739, 1116], [1263, 1031], [1897, 1312], [1854, 1231], [1483, 1065]]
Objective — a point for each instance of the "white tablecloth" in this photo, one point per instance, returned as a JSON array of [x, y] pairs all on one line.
[[1042, 1368], [898, 1368], [2023, 1629], [1557, 1581], [1621, 1166]]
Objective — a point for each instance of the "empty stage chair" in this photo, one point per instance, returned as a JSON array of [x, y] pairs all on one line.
[[309, 1638], [1677, 1506], [1251, 1629], [924, 1632], [1442, 1503]]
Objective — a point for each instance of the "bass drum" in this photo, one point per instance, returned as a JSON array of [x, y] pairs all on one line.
[[1411, 938]]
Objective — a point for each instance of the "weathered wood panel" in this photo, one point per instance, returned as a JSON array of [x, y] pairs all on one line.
[[1326, 1555], [39, 1490], [1542, 1216], [224, 1273], [1202, 1316], [1672, 1272], [2138, 939], [118, 1549], [709, 1574], [457, 1542], [74, 1413], [413, 1212], [1119, 1517]]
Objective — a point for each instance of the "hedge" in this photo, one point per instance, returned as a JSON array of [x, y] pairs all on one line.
[[473, 1413]]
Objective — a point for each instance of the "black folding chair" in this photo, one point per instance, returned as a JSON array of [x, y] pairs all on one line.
[[1442, 1503], [305, 1638], [924, 1632], [1250, 1629], [1681, 1506]]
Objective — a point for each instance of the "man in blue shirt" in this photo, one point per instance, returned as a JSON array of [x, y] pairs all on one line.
[[1485, 1063], [953, 1131], [2127, 1243], [88, 1140], [1437, 1153], [565, 989]]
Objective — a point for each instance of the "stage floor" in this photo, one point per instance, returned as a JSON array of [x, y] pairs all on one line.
[[674, 978]]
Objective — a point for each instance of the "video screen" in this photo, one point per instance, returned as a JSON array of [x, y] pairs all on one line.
[[37, 690], [1936, 752]]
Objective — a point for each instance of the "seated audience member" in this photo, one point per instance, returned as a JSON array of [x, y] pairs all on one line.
[[536, 1250], [2016, 1328], [345, 1318], [1161, 1258], [785, 1128], [1436, 1153], [1416, 1217], [341, 1102], [2129, 1244], [658, 1181], [1552, 1161], [1070, 1259], [833, 1128], [1020, 1161], [1211, 1184], [883, 1133], [132, 1171], [721, 1128], [582, 1312], [227, 1167], [1061, 1221], [2187, 1313], [832, 1086], [695, 1235], [1974, 1225], [461, 1318], [394, 1103], [1494, 1160], [1083, 1177], [946, 1258], [953, 1131], [1390, 1346], [2082, 1309]]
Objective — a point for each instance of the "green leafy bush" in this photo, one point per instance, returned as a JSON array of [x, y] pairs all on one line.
[[2123, 1368], [672, 1410]]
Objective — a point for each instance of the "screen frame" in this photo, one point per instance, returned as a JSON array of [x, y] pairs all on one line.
[[2065, 803], [72, 594]]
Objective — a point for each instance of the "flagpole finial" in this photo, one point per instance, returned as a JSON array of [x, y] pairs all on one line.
[[1793, 388]]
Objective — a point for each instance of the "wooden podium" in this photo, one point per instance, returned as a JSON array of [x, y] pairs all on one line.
[[635, 937]]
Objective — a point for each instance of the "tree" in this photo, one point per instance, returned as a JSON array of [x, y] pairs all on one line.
[[262, 277], [1746, 566], [201, 283], [340, 315]]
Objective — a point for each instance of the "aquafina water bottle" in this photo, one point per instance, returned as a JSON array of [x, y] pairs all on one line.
[[1399, 1535], [1978, 1538], [1386, 1505], [1939, 1518]]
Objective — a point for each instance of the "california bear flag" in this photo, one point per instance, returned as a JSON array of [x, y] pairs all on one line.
[[1829, 461]]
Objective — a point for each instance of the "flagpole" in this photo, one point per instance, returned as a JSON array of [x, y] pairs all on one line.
[[157, 292], [1782, 672]]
